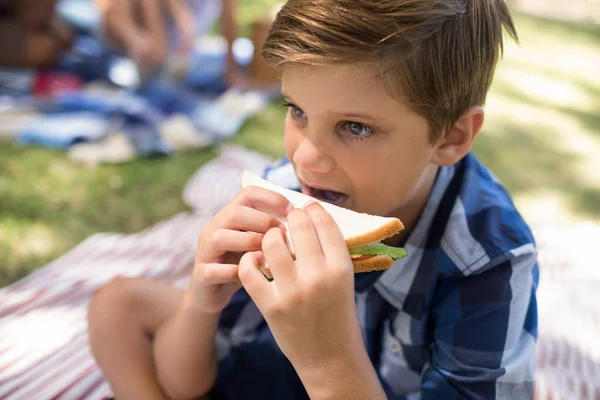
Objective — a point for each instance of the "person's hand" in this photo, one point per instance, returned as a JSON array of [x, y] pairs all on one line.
[[237, 228], [62, 32], [239, 80], [236, 79], [143, 50], [309, 306], [186, 25]]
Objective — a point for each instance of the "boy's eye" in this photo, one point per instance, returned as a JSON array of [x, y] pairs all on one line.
[[357, 129], [296, 112]]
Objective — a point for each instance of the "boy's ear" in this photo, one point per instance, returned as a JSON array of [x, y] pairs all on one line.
[[453, 146]]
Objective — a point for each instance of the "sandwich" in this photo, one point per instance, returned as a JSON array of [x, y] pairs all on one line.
[[363, 233]]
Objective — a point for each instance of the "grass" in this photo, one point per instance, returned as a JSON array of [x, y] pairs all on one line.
[[542, 132], [540, 138]]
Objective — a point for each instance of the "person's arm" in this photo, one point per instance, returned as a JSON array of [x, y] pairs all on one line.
[[185, 346], [229, 25], [184, 349], [33, 14], [485, 328], [142, 36], [155, 26], [117, 20], [185, 21], [351, 377], [310, 307]]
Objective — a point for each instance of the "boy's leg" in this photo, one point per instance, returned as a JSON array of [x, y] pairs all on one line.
[[123, 317]]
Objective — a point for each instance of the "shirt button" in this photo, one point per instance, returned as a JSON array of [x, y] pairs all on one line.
[[395, 347]]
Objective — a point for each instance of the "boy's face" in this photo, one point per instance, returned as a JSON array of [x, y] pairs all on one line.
[[353, 145]]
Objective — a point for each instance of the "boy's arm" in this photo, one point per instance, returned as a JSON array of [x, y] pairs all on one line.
[[185, 351], [485, 327], [351, 378], [310, 306], [184, 348]]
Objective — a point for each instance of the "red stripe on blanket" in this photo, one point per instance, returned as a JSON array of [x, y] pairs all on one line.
[[75, 382], [34, 389], [11, 309], [32, 376], [41, 363], [75, 287], [91, 389]]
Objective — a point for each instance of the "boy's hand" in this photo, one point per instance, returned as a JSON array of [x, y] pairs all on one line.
[[237, 228], [309, 305]]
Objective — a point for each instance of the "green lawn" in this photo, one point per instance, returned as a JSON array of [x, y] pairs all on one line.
[[541, 135]]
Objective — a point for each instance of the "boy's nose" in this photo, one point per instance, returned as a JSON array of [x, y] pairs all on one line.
[[311, 157]]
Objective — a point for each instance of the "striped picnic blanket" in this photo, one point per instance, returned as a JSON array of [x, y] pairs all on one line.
[[44, 351]]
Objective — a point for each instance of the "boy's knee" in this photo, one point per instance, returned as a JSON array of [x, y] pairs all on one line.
[[111, 304]]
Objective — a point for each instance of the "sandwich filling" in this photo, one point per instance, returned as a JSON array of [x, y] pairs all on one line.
[[376, 249], [357, 253]]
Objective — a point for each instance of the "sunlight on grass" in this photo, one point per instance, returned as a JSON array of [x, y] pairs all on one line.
[[26, 243], [563, 48], [542, 131], [35, 239], [264, 133], [545, 89], [50, 204]]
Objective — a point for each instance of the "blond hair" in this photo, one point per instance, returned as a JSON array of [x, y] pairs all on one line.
[[437, 56]]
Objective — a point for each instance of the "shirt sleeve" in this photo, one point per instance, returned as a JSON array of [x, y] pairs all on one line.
[[484, 332]]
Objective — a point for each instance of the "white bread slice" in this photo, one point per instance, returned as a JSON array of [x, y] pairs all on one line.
[[357, 228]]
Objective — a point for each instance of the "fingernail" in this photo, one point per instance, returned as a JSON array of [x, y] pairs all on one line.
[[289, 207], [260, 258], [310, 203]]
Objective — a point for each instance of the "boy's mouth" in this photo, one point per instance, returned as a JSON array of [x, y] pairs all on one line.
[[329, 196]]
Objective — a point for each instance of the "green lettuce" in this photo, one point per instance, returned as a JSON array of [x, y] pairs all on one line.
[[379, 249]]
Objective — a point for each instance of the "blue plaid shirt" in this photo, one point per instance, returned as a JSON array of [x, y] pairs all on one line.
[[455, 319]]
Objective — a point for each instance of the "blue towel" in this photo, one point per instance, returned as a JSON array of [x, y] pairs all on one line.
[[216, 117], [77, 117], [171, 98], [224, 117], [65, 129]]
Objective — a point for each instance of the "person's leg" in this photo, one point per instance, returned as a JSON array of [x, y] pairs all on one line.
[[123, 317], [12, 52], [22, 48], [34, 14], [32, 35]]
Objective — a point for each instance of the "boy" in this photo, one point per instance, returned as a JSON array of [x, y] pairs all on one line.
[[384, 104]]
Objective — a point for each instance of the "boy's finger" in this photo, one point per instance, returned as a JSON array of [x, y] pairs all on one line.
[[332, 241], [263, 199], [255, 283], [246, 219], [228, 241], [277, 255], [306, 242], [218, 274]]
